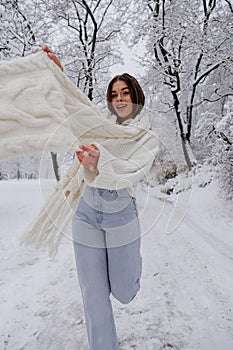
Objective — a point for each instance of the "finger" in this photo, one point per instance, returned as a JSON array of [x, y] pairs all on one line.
[[79, 152], [80, 159], [85, 148], [80, 156], [46, 48], [54, 58], [92, 146], [91, 151]]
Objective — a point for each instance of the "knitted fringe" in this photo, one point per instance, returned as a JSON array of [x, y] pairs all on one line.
[[53, 221]]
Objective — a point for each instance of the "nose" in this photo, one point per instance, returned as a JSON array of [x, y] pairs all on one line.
[[119, 97]]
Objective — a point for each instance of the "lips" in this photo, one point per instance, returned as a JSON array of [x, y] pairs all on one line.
[[121, 106], [123, 109]]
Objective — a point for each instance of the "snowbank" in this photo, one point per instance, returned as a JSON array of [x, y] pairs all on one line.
[[186, 299]]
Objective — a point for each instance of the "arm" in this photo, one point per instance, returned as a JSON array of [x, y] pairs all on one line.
[[116, 172]]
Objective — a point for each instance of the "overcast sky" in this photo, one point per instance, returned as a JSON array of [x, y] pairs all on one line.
[[129, 66]]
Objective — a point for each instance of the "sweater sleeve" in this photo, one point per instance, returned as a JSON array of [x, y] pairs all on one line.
[[118, 172]]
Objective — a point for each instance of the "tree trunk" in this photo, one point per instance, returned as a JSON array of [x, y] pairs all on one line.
[[185, 136], [55, 165], [188, 153]]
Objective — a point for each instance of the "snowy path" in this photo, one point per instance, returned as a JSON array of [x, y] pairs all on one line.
[[186, 299]]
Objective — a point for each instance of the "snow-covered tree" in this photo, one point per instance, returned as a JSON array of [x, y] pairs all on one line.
[[187, 51], [216, 137], [85, 38], [19, 27], [224, 152]]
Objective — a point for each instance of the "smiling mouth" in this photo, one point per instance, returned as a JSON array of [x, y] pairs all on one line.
[[121, 107]]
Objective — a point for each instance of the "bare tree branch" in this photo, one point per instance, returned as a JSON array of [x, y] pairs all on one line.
[[230, 5], [104, 14], [211, 101], [196, 69], [97, 5], [155, 10], [108, 36], [205, 7], [207, 72]]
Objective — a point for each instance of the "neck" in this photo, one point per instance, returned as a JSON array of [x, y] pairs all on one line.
[[121, 120]]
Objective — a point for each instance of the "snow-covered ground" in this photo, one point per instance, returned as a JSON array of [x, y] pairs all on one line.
[[186, 298]]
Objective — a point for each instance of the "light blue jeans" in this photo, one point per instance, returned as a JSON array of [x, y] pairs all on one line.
[[106, 235]]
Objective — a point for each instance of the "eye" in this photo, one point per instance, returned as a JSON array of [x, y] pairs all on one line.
[[113, 96], [126, 93]]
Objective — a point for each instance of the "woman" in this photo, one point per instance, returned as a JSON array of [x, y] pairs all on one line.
[[106, 230]]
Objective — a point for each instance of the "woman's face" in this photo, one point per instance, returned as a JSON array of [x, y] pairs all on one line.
[[121, 99]]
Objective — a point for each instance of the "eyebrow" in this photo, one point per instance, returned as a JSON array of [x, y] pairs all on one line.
[[125, 88]]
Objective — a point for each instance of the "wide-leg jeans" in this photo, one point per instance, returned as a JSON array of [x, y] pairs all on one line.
[[106, 235]]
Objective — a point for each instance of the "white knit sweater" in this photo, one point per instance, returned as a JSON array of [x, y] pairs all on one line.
[[41, 110]]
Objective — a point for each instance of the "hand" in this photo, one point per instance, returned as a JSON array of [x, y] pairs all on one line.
[[51, 55], [88, 156]]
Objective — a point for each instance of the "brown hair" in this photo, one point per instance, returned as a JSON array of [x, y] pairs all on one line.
[[136, 93]]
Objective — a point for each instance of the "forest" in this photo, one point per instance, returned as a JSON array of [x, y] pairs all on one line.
[[184, 60], [181, 53]]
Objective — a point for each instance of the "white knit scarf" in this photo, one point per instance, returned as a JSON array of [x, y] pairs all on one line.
[[41, 110]]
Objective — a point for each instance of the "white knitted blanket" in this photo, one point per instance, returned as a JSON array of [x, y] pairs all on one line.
[[41, 110]]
